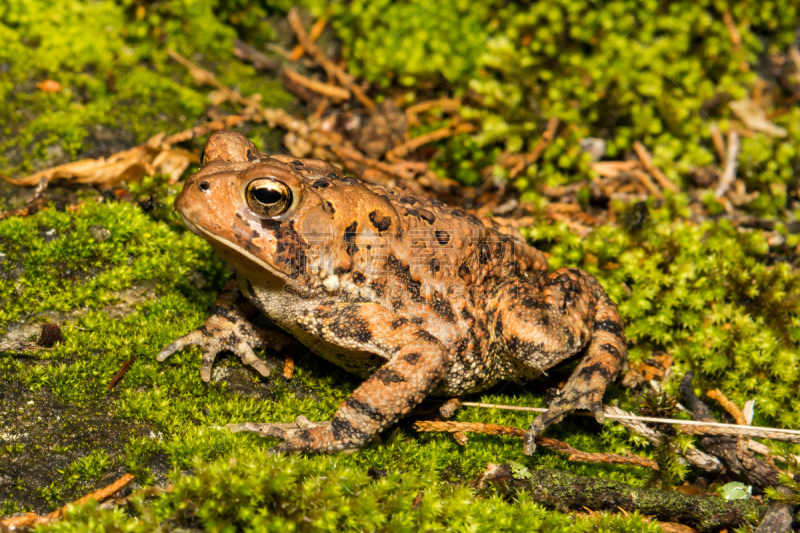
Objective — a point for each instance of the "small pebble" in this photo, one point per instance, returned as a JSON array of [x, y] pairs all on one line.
[[99, 233], [51, 334]]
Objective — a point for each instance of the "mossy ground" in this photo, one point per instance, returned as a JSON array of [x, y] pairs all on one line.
[[720, 300]]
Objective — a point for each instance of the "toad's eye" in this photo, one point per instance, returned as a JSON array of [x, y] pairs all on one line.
[[268, 197]]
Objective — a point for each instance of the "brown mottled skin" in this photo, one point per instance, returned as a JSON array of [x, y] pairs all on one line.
[[416, 297]]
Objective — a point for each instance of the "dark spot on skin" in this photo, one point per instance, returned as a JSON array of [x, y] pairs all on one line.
[[270, 224], [305, 437], [404, 275], [411, 358], [443, 308], [378, 285], [343, 430], [474, 219], [349, 180], [358, 278], [523, 348], [570, 338], [533, 303], [250, 156], [418, 320], [365, 409], [435, 265], [349, 237], [612, 350], [250, 247], [427, 216], [425, 336], [442, 237], [255, 234], [388, 376], [332, 176], [411, 212], [399, 322], [437, 203], [466, 315], [410, 200], [464, 273], [596, 368], [237, 215], [609, 326], [320, 184], [380, 221], [458, 213], [331, 210], [297, 163], [290, 249], [347, 324], [485, 254], [204, 186]]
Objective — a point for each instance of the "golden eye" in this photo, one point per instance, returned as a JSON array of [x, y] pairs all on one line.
[[268, 197]]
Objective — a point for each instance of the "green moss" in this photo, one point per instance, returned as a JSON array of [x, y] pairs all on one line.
[[119, 87], [267, 493]]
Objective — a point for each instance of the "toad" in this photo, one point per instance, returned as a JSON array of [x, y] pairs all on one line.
[[418, 298]]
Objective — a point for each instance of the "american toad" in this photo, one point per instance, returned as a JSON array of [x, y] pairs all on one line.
[[417, 297]]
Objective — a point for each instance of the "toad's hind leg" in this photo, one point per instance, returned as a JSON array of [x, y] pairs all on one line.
[[572, 312]]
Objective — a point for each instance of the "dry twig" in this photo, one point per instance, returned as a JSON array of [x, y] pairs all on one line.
[[333, 70], [337, 94], [729, 175], [728, 405], [316, 30], [31, 519], [553, 444], [402, 150], [445, 104], [647, 161]]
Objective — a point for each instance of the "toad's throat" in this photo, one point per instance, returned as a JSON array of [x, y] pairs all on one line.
[[229, 250]]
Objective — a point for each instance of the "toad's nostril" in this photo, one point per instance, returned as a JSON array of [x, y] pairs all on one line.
[[204, 185]]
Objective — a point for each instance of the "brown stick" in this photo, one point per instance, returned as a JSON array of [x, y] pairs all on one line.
[[647, 161], [553, 444], [544, 142], [651, 187], [333, 70], [333, 92], [316, 30], [402, 150], [731, 162], [728, 405], [31, 519], [719, 143], [612, 169], [121, 372], [445, 104]]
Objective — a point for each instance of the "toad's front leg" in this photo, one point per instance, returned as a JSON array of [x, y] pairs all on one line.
[[418, 361], [229, 329]]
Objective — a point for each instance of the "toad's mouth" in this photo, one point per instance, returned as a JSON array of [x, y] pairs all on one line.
[[227, 250]]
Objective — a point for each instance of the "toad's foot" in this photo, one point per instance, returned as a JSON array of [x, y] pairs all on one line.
[[302, 434], [229, 329]]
